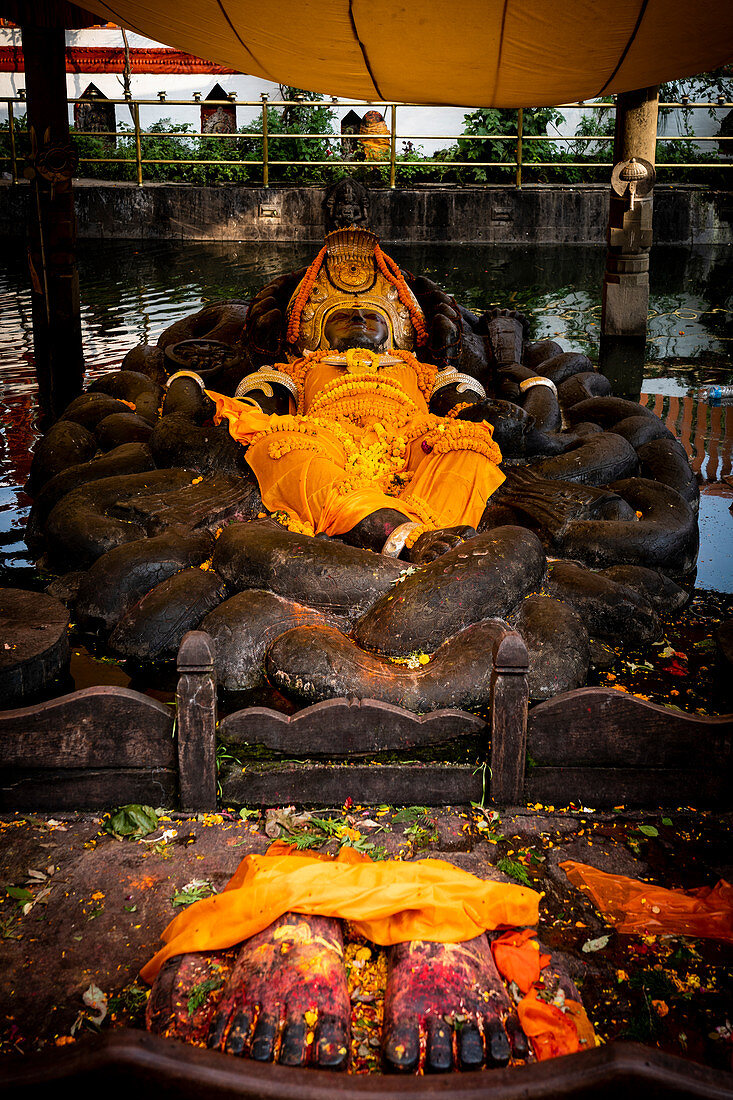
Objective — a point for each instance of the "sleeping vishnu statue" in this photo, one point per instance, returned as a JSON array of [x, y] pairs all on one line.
[[342, 435]]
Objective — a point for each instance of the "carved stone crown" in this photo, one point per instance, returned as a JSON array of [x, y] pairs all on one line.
[[350, 277], [350, 258]]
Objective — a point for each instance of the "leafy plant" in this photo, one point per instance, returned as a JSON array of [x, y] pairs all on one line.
[[297, 118], [514, 869], [409, 815]]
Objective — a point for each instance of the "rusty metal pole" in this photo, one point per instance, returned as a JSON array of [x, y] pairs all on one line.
[[52, 224], [629, 237], [392, 145], [265, 147], [520, 130], [13, 155], [138, 144]]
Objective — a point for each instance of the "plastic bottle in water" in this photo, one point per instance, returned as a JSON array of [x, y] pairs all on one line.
[[716, 395]]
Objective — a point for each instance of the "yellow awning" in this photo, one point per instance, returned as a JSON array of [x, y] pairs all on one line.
[[505, 53]]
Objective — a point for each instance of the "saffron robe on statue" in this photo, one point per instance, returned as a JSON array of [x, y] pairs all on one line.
[[361, 441]]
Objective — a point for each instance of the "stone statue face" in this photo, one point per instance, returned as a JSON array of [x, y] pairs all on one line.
[[356, 328]]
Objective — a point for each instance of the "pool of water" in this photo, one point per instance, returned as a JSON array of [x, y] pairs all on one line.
[[131, 291]]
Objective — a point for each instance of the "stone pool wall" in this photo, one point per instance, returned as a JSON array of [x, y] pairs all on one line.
[[538, 214]]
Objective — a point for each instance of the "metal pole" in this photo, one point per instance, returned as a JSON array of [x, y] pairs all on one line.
[[265, 149], [520, 128], [392, 144], [11, 129], [138, 149]]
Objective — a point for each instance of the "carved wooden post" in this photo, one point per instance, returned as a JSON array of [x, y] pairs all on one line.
[[509, 700], [196, 722], [625, 302]]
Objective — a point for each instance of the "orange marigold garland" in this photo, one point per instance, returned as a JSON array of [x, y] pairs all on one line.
[[414, 535], [306, 287], [463, 435], [425, 372], [453, 413], [424, 513], [391, 271]]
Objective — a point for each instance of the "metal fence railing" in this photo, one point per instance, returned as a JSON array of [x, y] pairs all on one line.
[[518, 159]]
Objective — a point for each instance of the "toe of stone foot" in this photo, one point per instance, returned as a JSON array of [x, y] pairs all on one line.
[[458, 1045], [267, 1037]]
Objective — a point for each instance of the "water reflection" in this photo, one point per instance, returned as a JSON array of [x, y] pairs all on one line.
[[131, 291]]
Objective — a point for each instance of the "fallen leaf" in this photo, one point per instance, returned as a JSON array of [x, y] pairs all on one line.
[[132, 820], [596, 945], [94, 998], [284, 820]]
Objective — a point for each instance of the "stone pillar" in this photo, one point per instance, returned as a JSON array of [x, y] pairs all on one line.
[[629, 237], [52, 223]]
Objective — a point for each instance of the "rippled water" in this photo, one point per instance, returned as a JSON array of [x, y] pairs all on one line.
[[131, 291]]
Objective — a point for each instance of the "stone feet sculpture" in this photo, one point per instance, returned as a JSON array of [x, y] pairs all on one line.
[[445, 1008], [282, 996]]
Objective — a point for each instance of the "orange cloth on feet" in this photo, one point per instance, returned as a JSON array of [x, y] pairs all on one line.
[[517, 957], [388, 902], [304, 471], [551, 1031], [634, 906]]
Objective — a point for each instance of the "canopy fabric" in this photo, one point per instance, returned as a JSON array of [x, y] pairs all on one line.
[[481, 53]]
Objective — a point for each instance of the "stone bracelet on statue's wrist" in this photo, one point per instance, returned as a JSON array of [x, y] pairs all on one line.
[[186, 374], [260, 380], [396, 542], [538, 380], [462, 382]]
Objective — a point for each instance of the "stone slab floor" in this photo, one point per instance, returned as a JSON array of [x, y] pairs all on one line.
[[81, 908]]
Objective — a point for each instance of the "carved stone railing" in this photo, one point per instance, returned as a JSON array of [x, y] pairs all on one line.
[[136, 1063], [104, 746]]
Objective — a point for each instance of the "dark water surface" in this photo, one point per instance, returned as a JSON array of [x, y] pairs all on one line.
[[131, 291]]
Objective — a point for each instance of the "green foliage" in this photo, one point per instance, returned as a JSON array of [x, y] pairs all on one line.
[[302, 118], [184, 156], [19, 894], [200, 993], [195, 890], [408, 815], [131, 821], [515, 870]]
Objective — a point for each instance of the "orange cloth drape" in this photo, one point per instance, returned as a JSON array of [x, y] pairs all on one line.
[[552, 1030], [375, 148], [388, 902], [445, 488], [634, 906], [518, 959]]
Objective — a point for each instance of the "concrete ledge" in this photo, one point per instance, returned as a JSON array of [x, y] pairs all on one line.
[[538, 214]]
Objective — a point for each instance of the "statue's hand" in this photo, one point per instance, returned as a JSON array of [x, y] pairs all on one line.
[[434, 543], [443, 319], [264, 331]]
